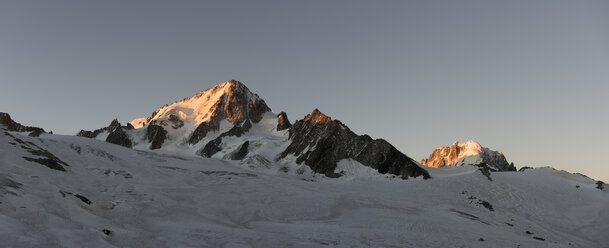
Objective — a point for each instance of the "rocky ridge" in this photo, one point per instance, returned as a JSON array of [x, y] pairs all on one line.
[[320, 142], [11, 125]]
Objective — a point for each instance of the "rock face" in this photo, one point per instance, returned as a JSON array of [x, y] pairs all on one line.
[[238, 129], [211, 148], [7, 121], [283, 122], [119, 137], [468, 153], [321, 143], [240, 152], [156, 136]]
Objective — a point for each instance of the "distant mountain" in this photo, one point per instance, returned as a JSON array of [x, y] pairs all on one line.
[[471, 153], [230, 122]]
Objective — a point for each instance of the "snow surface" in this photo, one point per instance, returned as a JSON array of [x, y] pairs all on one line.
[[171, 199]]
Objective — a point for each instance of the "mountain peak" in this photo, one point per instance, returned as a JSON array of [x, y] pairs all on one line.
[[317, 117], [233, 83], [231, 100]]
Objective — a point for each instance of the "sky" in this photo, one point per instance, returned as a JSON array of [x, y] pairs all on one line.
[[529, 78]]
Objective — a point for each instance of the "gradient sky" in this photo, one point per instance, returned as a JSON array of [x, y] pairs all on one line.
[[529, 78]]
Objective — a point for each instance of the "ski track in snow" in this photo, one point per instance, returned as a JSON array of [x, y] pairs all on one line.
[[163, 199]]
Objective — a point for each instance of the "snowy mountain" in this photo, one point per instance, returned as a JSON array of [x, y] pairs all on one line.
[[470, 153], [70, 191], [230, 100], [230, 122], [227, 172]]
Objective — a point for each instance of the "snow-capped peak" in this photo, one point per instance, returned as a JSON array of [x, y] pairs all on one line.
[[470, 152], [469, 148], [231, 100]]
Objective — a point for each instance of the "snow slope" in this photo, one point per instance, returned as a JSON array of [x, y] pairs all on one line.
[[164, 198]]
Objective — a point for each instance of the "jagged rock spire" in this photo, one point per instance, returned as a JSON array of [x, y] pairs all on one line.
[[282, 121], [317, 117]]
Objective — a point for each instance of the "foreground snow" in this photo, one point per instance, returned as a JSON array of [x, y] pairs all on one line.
[[148, 199]]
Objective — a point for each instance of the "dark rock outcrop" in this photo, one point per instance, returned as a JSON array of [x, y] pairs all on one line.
[[283, 122], [50, 163], [156, 136], [241, 152], [202, 130], [42, 156], [119, 137], [214, 145], [600, 185], [321, 143], [11, 125], [116, 134], [485, 170], [114, 125], [238, 129], [211, 148], [36, 133], [83, 199]]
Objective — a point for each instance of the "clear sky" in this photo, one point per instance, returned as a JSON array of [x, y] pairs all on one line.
[[529, 78]]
